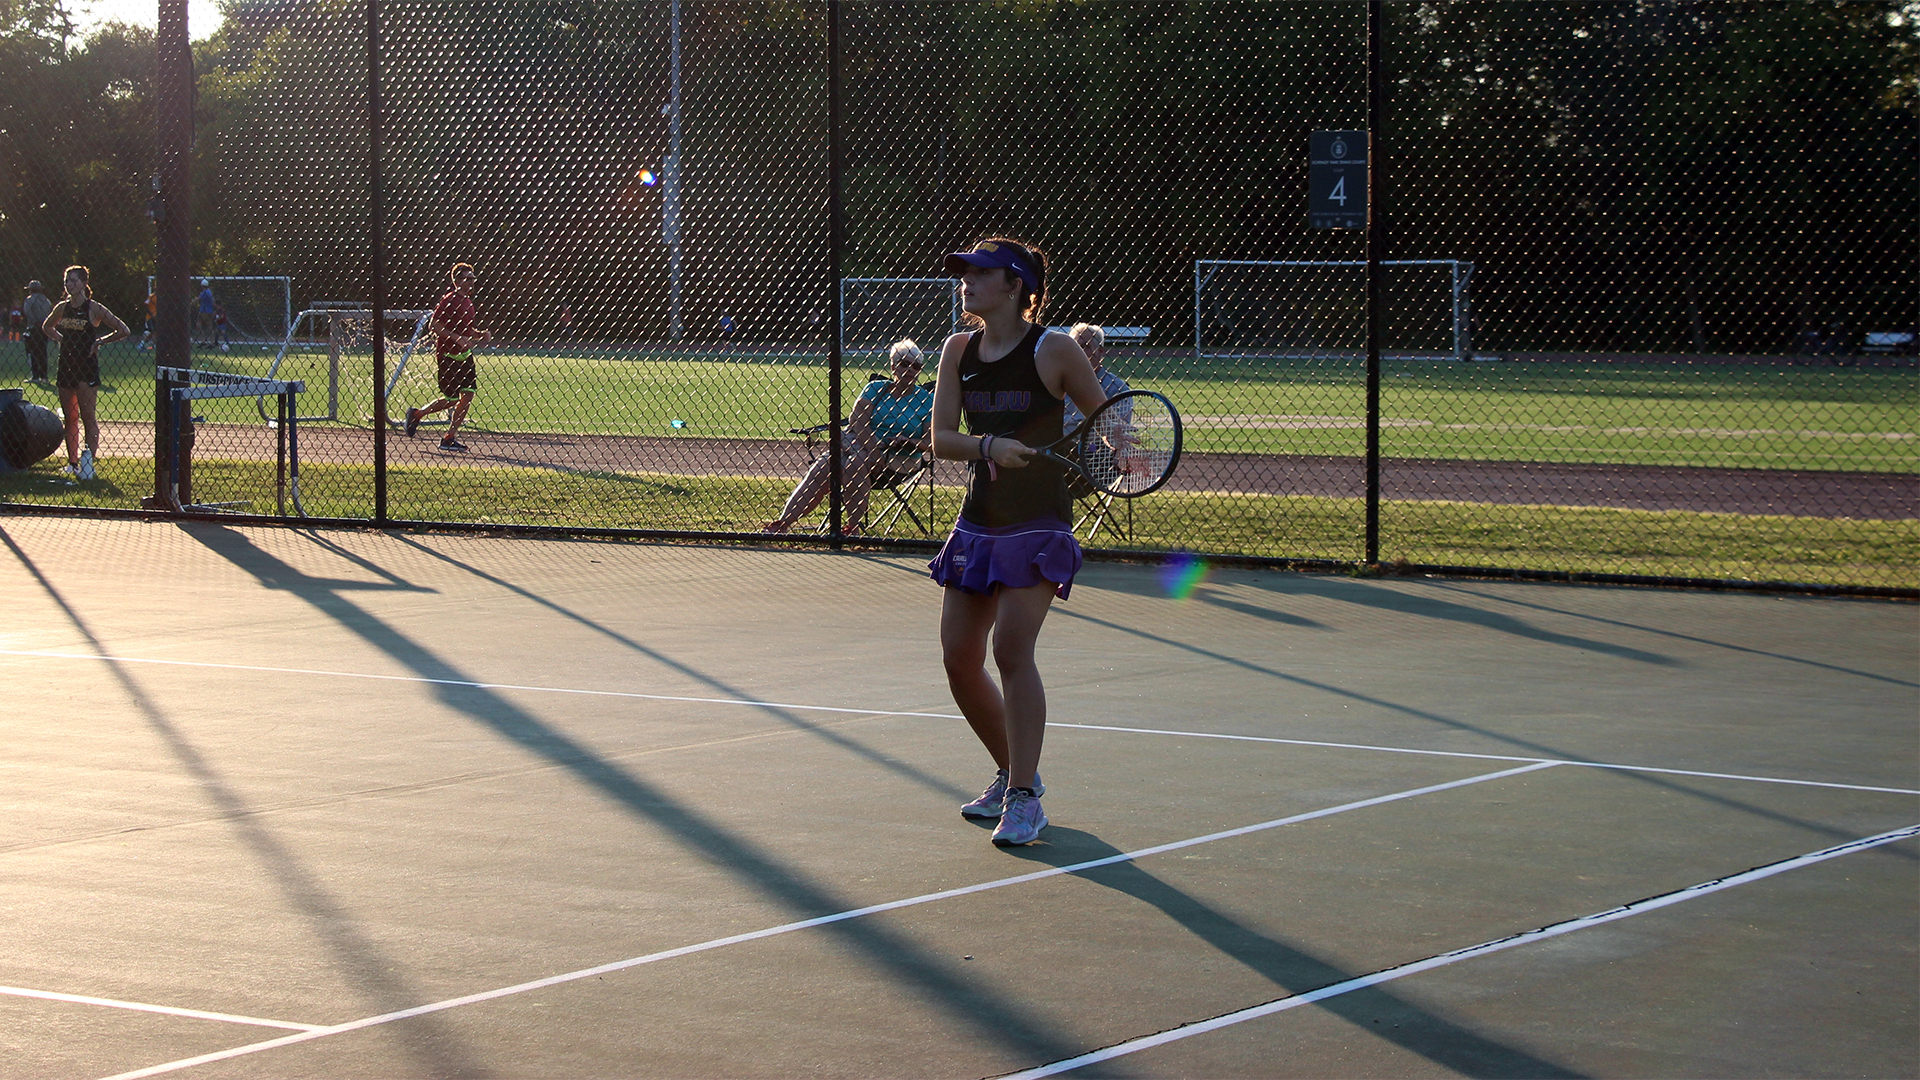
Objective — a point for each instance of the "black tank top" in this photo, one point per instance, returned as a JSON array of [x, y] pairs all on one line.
[[77, 331], [1007, 397]]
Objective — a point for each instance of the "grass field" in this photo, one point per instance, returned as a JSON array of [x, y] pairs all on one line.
[[1861, 418], [1721, 546]]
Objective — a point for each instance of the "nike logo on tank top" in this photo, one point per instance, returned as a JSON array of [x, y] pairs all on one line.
[[1007, 397]]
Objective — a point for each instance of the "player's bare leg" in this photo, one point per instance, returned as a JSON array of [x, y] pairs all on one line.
[[1016, 628], [966, 620], [88, 398], [1010, 719], [70, 416], [459, 416]]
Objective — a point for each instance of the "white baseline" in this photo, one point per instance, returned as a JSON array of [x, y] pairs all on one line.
[[752, 703]]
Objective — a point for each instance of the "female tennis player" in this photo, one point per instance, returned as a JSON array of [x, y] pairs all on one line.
[[75, 323], [1012, 551]]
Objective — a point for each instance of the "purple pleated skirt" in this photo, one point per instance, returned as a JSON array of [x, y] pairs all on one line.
[[980, 560]]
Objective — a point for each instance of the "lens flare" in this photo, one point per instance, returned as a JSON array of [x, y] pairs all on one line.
[[646, 177], [1182, 573]]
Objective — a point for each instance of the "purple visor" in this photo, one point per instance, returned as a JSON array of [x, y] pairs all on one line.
[[991, 256]]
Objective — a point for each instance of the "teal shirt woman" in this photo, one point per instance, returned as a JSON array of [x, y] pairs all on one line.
[[897, 416], [889, 422]]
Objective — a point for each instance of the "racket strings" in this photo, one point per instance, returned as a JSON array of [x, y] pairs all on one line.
[[1129, 448]]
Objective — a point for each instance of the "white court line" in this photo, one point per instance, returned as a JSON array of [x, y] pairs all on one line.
[[136, 1006], [804, 924], [470, 684], [948, 716], [1492, 757], [1528, 937]]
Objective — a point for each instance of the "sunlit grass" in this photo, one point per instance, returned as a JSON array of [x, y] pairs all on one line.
[[1575, 539], [1722, 415]]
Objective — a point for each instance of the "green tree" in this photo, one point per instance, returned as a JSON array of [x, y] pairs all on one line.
[[76, 149]]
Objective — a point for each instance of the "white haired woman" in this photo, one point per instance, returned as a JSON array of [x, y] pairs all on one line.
[[1093, 341], [888, 423]]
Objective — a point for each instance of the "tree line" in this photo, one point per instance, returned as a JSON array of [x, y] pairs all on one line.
[[1631, 175]]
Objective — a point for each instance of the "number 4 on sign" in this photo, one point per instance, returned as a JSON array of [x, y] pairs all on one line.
[[1339, 193]]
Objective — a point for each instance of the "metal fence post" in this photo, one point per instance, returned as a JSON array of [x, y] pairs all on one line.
[[377, 237], [1374, 178], [835, 238], [173, 344]]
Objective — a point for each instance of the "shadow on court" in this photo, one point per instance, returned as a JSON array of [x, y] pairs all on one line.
[[972, 1004], [1530, 748], [1293, 970], [363, 962], [1405, 604], [1695, 639], [786, 716], [923, 974]]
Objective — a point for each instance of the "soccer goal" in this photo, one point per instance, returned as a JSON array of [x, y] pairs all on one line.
[[876, 312], [322, 337], [259, 309], [1307, 309]]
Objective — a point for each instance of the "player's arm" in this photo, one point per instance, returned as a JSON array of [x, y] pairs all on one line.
[[475, 335], [51, 325], [116, 330], [1066, 372], [948, 441]]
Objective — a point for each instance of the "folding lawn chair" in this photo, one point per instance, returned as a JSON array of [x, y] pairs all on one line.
[[1095, 510], [906, 471]]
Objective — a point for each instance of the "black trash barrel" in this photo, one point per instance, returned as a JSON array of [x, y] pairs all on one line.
[[28, 432]]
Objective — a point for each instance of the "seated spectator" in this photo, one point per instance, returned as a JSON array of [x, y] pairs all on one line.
[[889, 423], [1093, 341]]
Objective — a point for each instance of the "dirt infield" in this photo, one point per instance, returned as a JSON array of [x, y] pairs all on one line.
[[1797, 493]]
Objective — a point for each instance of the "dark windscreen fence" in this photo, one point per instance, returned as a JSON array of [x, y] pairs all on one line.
[[1648, 282], [1279, 307]]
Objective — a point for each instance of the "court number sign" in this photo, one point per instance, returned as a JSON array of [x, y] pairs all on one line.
[[1337, 180]]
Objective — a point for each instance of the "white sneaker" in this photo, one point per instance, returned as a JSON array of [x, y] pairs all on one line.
[[86, 464], [989, 803], [1021, 819]]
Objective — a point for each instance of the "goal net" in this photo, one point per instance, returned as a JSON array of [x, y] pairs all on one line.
[[876, 312], [331, 342], [259, 309], [1318, 309]]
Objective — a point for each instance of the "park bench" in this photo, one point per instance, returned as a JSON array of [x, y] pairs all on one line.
[[1888, 343]]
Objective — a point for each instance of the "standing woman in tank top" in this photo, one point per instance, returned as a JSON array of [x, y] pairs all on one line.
[[1013, 550], [75, 323]]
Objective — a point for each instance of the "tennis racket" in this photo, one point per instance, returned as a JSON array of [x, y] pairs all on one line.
[[1127, 448]]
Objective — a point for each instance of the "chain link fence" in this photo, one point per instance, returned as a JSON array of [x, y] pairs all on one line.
[[1649, 291]]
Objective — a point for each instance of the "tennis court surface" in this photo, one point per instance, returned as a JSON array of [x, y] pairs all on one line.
[[286, 802]]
